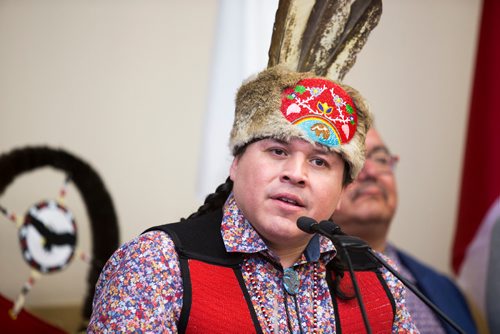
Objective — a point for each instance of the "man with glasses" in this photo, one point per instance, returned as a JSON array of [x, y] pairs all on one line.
[[366, 211]]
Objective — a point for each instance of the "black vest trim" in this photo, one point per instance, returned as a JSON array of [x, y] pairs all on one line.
[[200, 238], [389, 294], [364, 261], [243, 287], [361, 261], [331, 285], [186, 296]]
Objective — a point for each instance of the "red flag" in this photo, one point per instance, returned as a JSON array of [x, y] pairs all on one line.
[[480, 189]]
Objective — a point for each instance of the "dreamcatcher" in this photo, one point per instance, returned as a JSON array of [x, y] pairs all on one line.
[[48, 231]]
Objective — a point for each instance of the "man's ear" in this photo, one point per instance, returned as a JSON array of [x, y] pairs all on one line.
[[234, 168]]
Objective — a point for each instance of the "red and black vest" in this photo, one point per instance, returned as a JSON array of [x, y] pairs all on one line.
[[216, 300]]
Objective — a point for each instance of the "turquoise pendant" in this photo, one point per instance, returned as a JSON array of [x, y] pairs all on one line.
[[291, 281]]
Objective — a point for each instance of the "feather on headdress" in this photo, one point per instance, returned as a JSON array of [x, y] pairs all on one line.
[[322, 36], [314, 44]]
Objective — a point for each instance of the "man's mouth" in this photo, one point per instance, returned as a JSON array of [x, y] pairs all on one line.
[[290, 200], [369, 190]]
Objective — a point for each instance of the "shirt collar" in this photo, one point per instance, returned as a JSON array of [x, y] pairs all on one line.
[[240, 236]]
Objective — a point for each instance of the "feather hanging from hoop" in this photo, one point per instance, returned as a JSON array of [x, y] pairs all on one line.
[[322, 36]]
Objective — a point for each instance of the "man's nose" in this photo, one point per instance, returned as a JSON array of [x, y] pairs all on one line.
[[295, 170]]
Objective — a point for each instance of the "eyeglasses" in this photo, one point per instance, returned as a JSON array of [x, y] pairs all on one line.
[[383, 162]]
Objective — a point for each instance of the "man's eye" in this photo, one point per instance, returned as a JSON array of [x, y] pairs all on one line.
[[382, 160], [319, 162], [278, 151]]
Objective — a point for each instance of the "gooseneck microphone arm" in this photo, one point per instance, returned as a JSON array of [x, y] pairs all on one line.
[[417, 292], [334, 233], [309, 225]]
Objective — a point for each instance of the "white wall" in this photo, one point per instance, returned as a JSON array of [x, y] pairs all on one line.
[[123, 85]]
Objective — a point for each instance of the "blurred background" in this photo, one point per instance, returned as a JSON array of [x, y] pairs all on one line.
[[127, 86]]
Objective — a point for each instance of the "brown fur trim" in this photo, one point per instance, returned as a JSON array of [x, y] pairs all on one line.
[[258, 114]]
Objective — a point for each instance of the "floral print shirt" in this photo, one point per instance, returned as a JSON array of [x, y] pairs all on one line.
[[140, 289]]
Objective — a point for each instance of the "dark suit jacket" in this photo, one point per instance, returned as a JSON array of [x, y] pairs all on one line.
[[442, 292]]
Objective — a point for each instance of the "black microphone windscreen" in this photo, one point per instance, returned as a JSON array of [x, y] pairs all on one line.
[[307, 224], [330, 227]]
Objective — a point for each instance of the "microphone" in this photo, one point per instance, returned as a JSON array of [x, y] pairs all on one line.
[[339, 238], [311, 226], [332, 231], [307, 224], [330, 227]]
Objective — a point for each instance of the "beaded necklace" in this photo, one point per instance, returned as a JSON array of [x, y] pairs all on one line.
[[261, 302]]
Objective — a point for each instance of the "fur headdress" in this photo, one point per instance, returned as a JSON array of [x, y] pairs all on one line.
[[313, 46]]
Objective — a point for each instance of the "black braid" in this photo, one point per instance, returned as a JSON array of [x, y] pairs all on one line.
[[216, 200]]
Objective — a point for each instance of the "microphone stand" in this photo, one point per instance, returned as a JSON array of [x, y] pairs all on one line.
[[333, 238], [333, 232]]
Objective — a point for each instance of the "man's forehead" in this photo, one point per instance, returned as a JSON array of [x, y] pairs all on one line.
[[376, 149], [374, 141]]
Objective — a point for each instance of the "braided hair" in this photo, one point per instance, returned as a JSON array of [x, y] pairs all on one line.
[[215, 201]]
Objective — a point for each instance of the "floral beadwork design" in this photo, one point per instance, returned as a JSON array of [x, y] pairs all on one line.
[[322, 109]]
